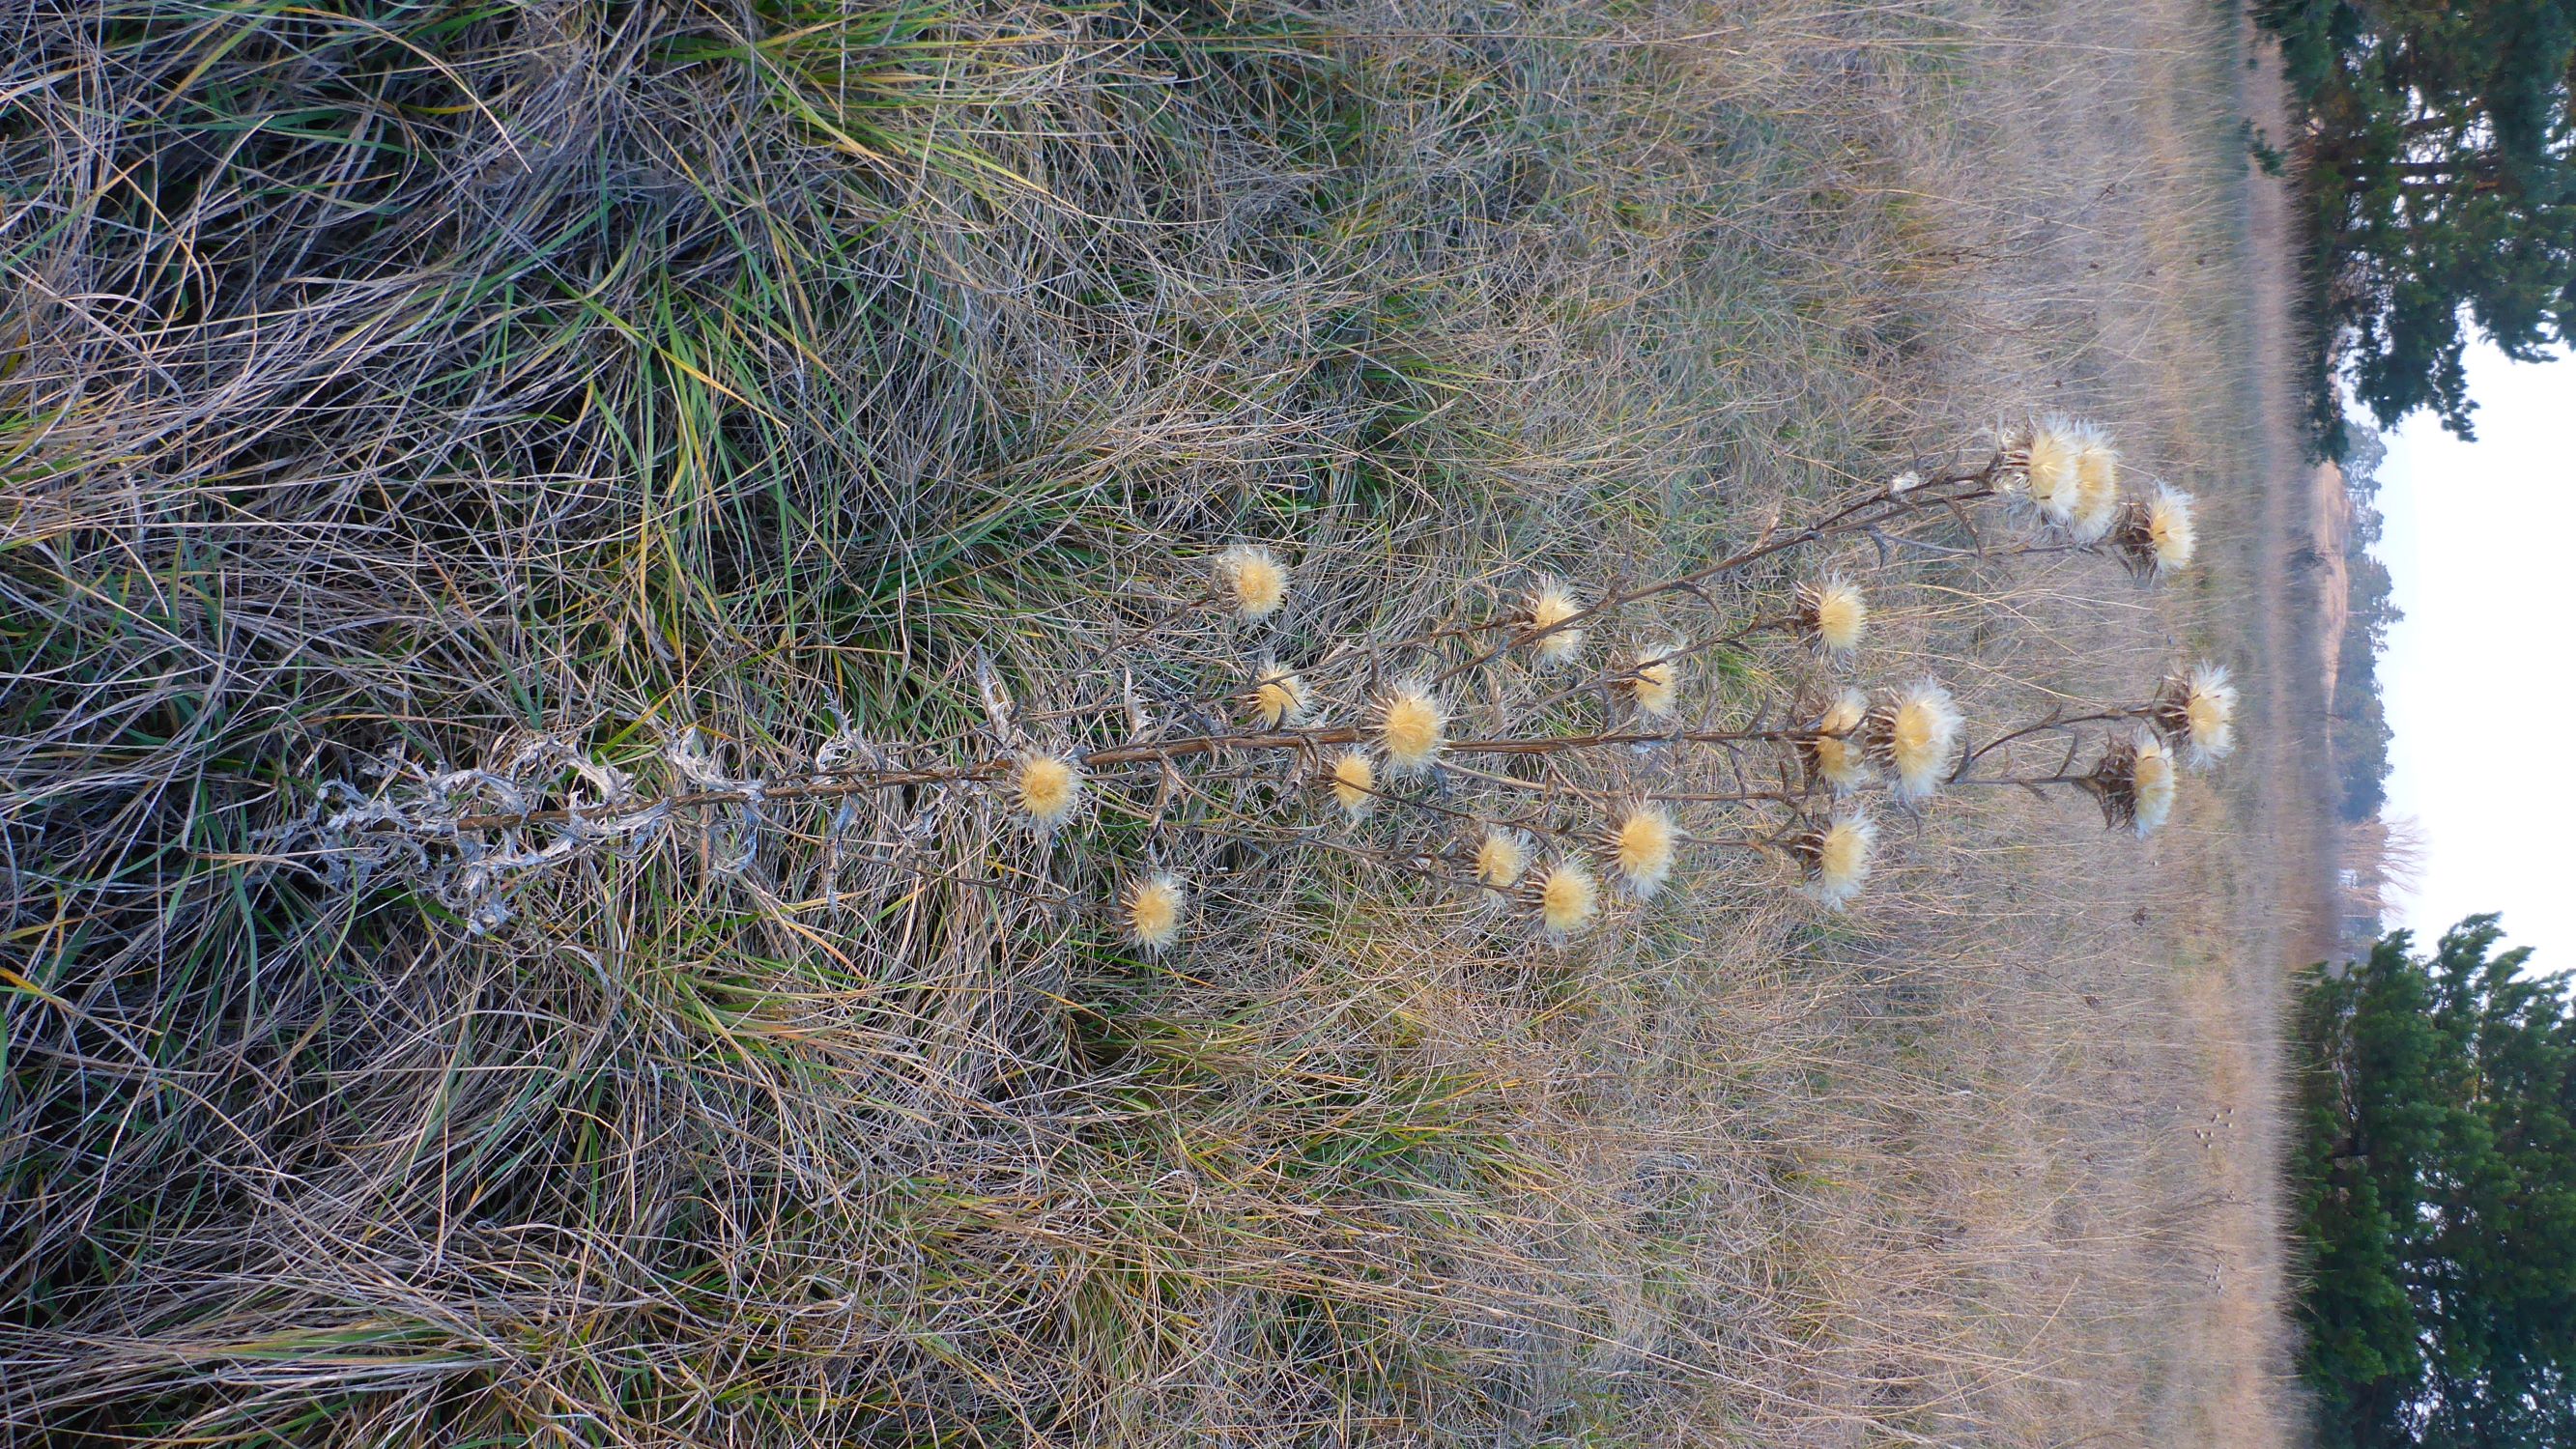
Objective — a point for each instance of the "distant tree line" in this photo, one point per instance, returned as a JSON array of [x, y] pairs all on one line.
[[2435, 1193], [2357, 730], [2439, 159]]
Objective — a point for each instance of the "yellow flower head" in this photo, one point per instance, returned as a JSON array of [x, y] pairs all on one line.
[[1914, 737], [1656, 683], [1254, 581], [1553, 604], [1050, 786], [1833, 615], [1278, 697], [1840, 757], [1154, 907], [1837, 859], [1500, 859], [1355, 784], [1411, 728], [1642, 850], [1567, 900]]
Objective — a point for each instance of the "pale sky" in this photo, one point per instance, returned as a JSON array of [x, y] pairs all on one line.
[[2480, 543]]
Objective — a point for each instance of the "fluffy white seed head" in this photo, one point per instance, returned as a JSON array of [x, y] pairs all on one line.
[[2208, 715], [2097, 486], [1049, 787], [1568, 899], [2044, 460], [2171, 536], [1657, 683], [1641, 850], [1253, 582], [1155, 906], [1914, 737], [1355, 784], [1554, 604], [1837, 859], [1500, 860], [1412, 729], [1279, 697], [2151, 785], [1840, 756], [1833, 615]]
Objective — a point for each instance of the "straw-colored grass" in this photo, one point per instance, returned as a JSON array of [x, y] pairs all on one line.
[[503, 403]]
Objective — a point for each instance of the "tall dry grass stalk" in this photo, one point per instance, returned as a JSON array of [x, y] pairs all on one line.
[[587, 439]]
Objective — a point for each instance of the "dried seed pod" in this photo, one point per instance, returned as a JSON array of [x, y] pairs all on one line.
[[2195, 711], [1654, 682], [1567, 899]]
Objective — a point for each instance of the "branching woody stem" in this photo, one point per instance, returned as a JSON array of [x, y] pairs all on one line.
[[833, 785], [1948, 490]]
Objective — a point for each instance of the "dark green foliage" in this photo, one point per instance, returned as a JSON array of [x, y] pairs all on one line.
[[2435, 1183], [2441, 162]]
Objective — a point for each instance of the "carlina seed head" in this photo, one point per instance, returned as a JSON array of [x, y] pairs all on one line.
[[2135, 782], [1836, 754], [2155, 536], [1155, 906], [1641, 850], [1355, 784], [1412, 729], [1279, 697], [1568, 899], [2204, 713], [1500, 859], [1835, 858], [2097, 485], [2040, 460], [1913, 735], [1050, 786], [1832, 615], [1253, 581], [1655, 682], [1551, 605]]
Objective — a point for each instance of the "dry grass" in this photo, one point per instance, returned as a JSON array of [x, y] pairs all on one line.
[[501, 385]]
